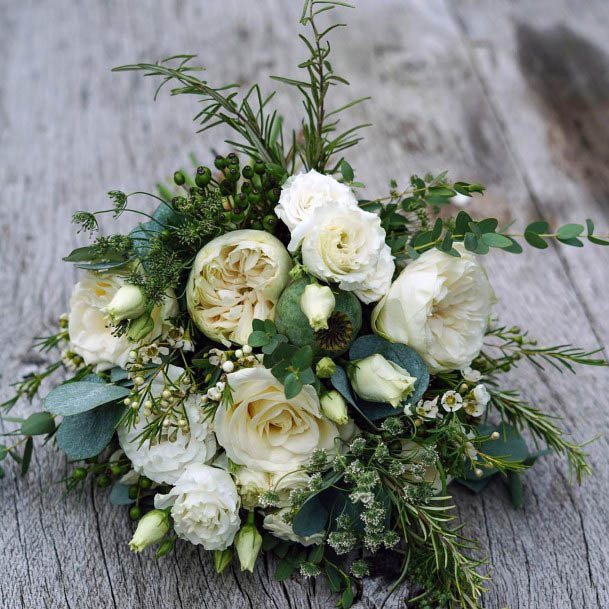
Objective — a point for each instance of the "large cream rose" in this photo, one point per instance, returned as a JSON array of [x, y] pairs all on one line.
[[346, 245], [236, 278], [303, 194], [439, 305], [88, 323], [266, 432]]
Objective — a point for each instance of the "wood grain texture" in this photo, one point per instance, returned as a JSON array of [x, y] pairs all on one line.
[[513, 94]]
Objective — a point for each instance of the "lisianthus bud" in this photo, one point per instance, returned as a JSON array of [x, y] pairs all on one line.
[[150, 529], [129, 302], [222, 558], [317, 303], [248, 543], [334, 407], [325, 368], [140, 327], [377, 379]]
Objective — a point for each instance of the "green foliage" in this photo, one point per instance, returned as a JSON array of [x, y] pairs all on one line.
[[77, 397]]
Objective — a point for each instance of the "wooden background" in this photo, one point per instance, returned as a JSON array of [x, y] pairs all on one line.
[[511, 93]]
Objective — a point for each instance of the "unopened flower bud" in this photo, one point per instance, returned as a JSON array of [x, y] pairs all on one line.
[[325, 368], [140, 327], [317, 303], [129, 302], [248, 543], [222, 558], [151, 529], [334, 407]]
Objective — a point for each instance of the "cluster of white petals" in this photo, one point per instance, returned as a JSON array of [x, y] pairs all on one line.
[[90, 332], [236, 278], [165, 459]]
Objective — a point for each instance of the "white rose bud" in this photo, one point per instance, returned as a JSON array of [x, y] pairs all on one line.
[[377, 379], [248, 543], [325, 368], [334, 407], [317, 303], [129, 302], [150, 529]]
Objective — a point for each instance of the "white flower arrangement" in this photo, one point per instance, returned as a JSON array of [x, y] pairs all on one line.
[[275, 362]]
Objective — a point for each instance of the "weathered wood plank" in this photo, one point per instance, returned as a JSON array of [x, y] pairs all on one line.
[[70, 131]]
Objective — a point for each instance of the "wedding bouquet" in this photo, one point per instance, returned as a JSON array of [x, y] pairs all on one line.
[[269, 362]]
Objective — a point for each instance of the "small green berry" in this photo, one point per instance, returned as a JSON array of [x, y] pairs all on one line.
[[220, 162], [259, 167], [145, 482], [178, 178], [103, 481], [135, 513], [80, 473], [133, 491]]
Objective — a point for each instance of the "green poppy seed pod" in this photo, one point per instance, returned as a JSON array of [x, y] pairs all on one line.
[[178, 178], [248, 172], [220, 162], [259, 167]]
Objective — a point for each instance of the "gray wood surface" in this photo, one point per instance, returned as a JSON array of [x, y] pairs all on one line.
[[511, 93]]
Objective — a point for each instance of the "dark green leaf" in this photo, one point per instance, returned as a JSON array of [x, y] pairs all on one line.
[[514, 248], [303, 358], [334, 578], [570, 231], [86, 434], [538, 227], [462, 222], [516, 491], [38, 424], [3, 452], [346, 171], [441, 191], [496, 240], [437, 229], [535, 240], [590, 227], [347, 597], [27, 455], [474, 485], [573, 242], [488, 225], [73, 398], [471, 242], [258, 338], [447, 242], [598, 241], [285, 569], [292, 386]]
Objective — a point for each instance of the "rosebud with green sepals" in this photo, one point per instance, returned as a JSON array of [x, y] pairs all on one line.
[[150, 530]]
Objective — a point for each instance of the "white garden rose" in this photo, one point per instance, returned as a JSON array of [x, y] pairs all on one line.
[[204, 506], [346, 245], [439, 305], [303, 194], [236, 278], [88, 322], [266, 432], [165, 459], [275, 524]]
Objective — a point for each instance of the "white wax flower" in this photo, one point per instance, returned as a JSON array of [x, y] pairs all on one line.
[[90, 334], [346, 245], [439, 305], [266, 432], [317, 302], [452, 401], [377, 379], [204, 506], [303, 194], [236, 278], [275, 524], [476, 401], [165, 459]]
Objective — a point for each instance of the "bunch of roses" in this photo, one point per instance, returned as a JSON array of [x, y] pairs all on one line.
[[258, 441]]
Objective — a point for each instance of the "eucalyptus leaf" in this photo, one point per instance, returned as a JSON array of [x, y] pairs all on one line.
[[77, 397], [119, 495], [38, 424]]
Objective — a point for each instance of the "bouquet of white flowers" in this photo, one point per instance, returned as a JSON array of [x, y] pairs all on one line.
[[271, 363]]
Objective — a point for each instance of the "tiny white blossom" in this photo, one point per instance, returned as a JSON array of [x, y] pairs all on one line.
[[476, 401], [428, 408], [471, 375], [452, 401], [152, 353]]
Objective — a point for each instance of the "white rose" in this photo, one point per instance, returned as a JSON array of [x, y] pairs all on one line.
[[304, 193], [439, 305], [205, 506], [377, 379], [164, 460], [236, 278], [346, 245], [317, 302], [252, 484], [275, 524], [90, 334], [267, 432]]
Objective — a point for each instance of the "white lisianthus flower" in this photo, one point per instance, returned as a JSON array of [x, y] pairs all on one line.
[[439, 305], [90, 334], [317, 302], [334, 407], [204, 506], [236, 278], [476, 401], [267, 432], [346, 245], [153, 526], [303, 194], [377, 379], [275, 524], [165, 459]]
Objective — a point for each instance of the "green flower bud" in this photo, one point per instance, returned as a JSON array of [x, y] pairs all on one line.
[[248, 172], [203, 177], [129, 302], [135, 512], [222, 558], [219, 162], [259, 167], [325, 368], [178, 178], [150, 529], [334, 407], [165, 547], [248, 543], [140, 327]]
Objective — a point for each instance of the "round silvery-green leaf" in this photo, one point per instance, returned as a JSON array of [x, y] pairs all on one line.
[[399, 354], [79, 396]]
